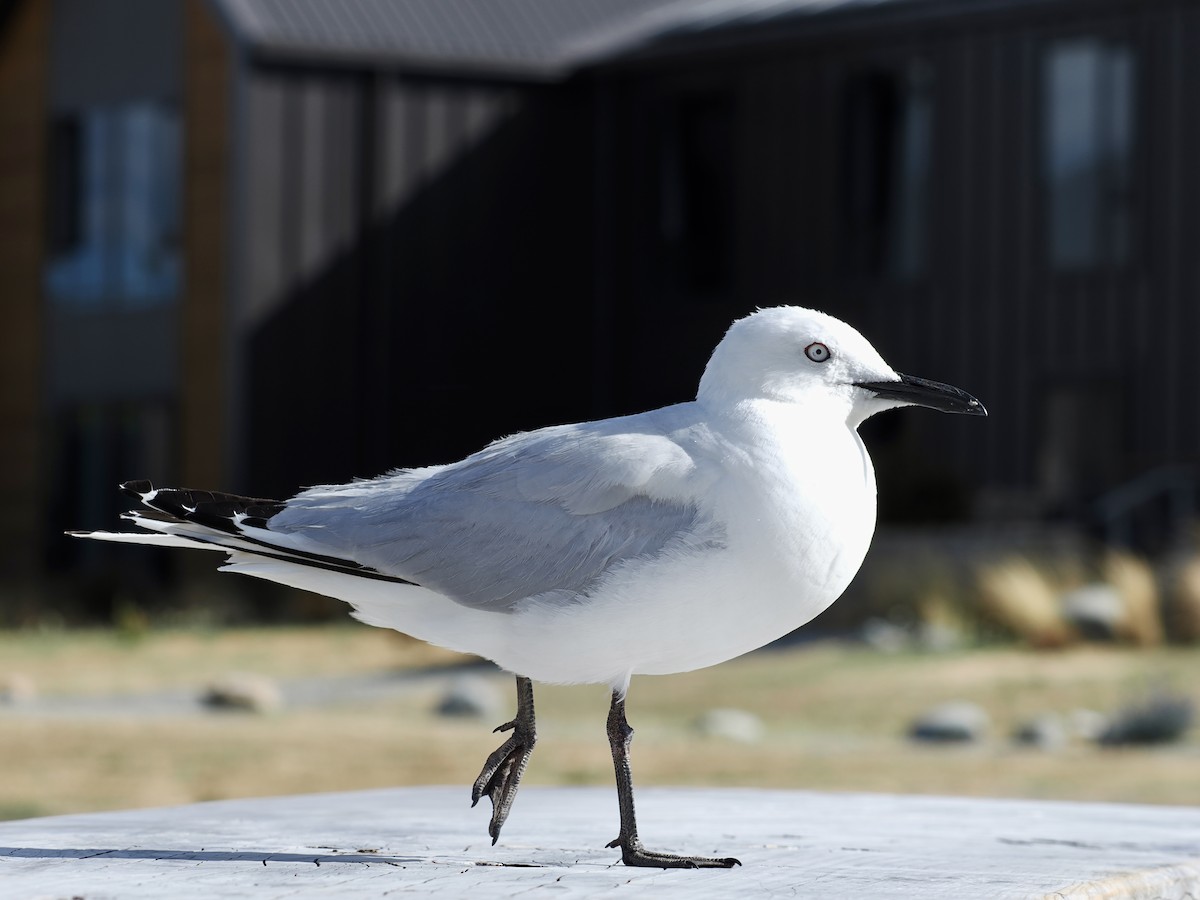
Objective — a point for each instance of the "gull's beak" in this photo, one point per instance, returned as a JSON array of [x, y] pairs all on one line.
[[923, 392]]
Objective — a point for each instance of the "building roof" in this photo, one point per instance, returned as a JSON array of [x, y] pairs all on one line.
[[532, 39]]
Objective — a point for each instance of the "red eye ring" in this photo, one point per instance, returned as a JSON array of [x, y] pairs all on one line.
[[817, 352]]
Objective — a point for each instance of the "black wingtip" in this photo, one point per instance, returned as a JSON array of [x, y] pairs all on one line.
[[137, 488]]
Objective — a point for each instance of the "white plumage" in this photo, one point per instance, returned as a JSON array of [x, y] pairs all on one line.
[[653, 543]]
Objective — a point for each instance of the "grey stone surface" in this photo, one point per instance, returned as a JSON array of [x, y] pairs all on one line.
[[471, 696], [1045, 732], [1161, 719], [958, 721], [244, 693], [429, 842], [1097, 611]]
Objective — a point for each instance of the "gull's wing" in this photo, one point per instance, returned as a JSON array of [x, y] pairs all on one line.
[[545, 514]]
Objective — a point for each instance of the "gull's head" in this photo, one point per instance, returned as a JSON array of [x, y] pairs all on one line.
[[797, 355]]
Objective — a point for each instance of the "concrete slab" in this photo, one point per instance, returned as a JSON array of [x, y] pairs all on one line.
[[429, 841]]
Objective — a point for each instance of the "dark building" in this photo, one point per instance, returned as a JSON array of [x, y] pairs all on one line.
[[255, 245]]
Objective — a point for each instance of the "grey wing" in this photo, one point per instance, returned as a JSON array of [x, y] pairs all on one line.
[[504, 524]]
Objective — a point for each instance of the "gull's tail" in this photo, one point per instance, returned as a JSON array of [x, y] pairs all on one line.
[[241, 528], [211, 520]]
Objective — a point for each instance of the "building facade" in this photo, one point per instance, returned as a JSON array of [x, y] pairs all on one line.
[[255, 246]]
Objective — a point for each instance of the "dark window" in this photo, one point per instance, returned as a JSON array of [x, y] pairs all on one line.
[[696, 204], [1087, 152], [888, 121], [114, 208]]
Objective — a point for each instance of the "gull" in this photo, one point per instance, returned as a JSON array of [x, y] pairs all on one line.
[[654, 543]]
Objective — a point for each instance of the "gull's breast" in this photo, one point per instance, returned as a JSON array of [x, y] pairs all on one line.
[[805, 518]]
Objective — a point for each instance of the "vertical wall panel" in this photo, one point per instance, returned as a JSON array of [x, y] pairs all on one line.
[[1167, 359], [262, 254], [23, 100], [1187, 371], [310, 168], [203, 316]]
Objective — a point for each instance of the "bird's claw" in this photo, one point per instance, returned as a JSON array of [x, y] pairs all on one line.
[[634, 854], [501, 774]]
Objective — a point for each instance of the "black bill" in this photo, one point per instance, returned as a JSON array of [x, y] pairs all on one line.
[[923, 392]]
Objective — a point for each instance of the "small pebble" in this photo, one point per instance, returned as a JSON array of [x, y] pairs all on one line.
[[247, 693], [730, 724], [470, 696], [955, 722]]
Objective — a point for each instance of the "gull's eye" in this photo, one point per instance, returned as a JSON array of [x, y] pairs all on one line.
[[817, 352]]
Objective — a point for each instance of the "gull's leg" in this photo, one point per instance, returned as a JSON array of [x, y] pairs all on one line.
[[620, 735], [501, 775]]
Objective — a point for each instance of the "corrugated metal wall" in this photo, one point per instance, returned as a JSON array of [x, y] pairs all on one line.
[[23, 475], [487, 219], [990, 312], [407, 244]]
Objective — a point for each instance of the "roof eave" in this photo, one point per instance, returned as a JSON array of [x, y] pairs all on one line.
[[417, 64]]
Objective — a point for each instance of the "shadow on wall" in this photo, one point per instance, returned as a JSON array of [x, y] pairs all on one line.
[[464, 315]]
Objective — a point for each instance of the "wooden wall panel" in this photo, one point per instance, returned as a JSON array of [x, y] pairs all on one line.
[[23, 86], [202, 407]]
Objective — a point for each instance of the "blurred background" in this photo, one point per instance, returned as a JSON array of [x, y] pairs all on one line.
[[253, 245]]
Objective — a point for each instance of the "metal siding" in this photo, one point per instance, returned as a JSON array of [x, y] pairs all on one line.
[[1149, 423], [310, 152], [204, 332], [100, 57], [989, 340], [262, 254], [757, 161], [989, 315], [963, 303], [395, 166], [1168, 362], [1021, 429], [1188, 410], [339, 200], [24, 469], [290, 200]]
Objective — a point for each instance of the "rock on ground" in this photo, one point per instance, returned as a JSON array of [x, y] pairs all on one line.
[[955, 722], [247, 693]]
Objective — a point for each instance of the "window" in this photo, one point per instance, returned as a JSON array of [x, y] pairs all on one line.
[[1087, 152], [114, 208], [696, 201], [888, 122]]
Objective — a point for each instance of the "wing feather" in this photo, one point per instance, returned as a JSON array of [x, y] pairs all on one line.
[[542, 513]]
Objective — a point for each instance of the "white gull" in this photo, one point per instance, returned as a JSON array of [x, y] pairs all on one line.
[[647, 544]]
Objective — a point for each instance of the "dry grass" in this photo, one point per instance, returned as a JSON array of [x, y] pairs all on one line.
[[1021, 600], [834, 719], [1183, 603], [106, 662], [1134, 580], [1024, 599]]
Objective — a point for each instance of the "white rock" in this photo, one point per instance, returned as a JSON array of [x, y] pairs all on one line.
[[239, 691], [470, 696], [885, 636], [731, 725], [956, 722], [1046, 732], [939, 637], [1096, 610], [1087, 723]]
